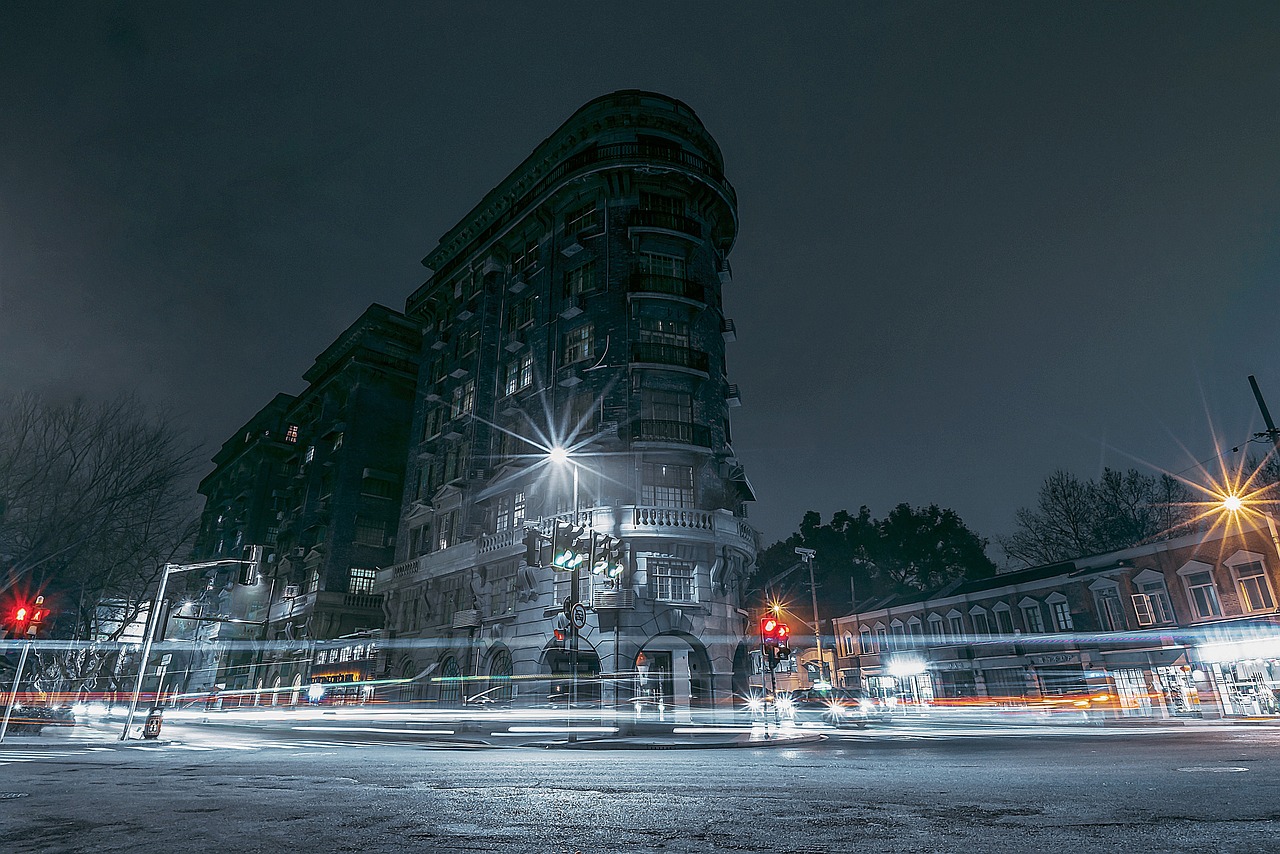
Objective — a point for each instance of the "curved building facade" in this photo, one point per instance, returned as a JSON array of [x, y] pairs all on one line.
[[578, 308]]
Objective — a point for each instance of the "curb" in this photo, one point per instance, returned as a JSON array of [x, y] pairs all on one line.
[[642, 744]]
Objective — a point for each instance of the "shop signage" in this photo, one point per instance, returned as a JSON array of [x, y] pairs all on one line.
[[951, 665], [1055, 658]]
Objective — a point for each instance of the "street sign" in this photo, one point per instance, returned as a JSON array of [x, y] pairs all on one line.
[[578, 615]]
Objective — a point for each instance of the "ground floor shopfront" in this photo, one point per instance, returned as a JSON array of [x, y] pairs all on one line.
[[1174, 680]]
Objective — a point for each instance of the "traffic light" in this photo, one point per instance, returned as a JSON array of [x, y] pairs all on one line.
[[36, 617], [533, 542], [24, 618], [250, 565], [570, 546], [784, 641], [608, 557]]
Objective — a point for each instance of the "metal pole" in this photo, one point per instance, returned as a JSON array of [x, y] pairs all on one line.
[[1272, 432], [808, 554], [573, 627], [13, 695], [146, 648]]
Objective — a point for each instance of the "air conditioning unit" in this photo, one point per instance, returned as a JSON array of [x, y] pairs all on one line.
[[478, 474], [516, 342], [573, 247], [729, 330], [459, 372], [732, 396], [518, 283], [468, 619], [291, 591], [441, 342], [490, 265], [613, 600], [468, 311], [574, 308]]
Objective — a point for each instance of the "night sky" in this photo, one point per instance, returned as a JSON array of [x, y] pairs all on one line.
[[979, 241]]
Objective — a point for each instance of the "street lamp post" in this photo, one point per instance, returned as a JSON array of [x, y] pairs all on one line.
[[561, 456], [153, 623]]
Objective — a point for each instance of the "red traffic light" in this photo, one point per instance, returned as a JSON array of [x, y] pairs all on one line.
[[20, 615], [782, 633]]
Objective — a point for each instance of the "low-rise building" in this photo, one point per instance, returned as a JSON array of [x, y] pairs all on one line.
[[1181, 627]]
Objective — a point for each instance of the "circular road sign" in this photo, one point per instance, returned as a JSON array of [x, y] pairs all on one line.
[[579, 615]]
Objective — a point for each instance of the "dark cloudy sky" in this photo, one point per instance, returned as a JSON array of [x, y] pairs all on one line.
[[980, 241]]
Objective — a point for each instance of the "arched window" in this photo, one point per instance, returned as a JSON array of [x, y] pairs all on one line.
[[500, 686], [450, 682]]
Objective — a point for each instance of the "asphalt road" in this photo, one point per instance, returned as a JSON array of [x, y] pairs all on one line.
[[1198, 789]]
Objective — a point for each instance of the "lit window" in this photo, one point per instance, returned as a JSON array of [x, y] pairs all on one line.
[[1203, 594], [519, 374], [865, 643], [291, 434], [666, 486], [361, 580], [310, 454], [1151, 604], [517, 510], [577, 344], [1255, 590], [464, 399], [1110, 611], [672, 581]]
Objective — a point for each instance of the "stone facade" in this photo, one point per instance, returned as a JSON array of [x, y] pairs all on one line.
[[578, 306]]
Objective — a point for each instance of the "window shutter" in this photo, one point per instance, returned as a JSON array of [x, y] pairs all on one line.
[[1142, 607]]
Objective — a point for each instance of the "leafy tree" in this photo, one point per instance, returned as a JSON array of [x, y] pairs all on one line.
[[1075, 517], [859, 557]]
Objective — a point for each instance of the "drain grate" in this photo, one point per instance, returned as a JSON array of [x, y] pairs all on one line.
[[8, 796]]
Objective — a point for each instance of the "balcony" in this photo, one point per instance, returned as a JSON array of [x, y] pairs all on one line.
[[652, 353], [673, 286], [677, 432], [665, 221]]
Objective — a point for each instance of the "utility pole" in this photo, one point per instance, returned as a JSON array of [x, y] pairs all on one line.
[[1272, 433], [807, 555]]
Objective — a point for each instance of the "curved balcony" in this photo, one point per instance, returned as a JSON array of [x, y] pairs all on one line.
[[668, 286], [675, 432], [665, 221], [652, 353]]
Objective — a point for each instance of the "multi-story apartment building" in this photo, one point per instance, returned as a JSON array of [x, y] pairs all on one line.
[[317, 480], [1185, 626], [578, 307]]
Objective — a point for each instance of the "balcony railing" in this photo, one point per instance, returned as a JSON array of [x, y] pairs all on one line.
[[665, 220], [679, 432], [669, 354], [648, 283]]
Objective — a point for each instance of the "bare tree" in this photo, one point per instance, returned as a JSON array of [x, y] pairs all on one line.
[[94, 499], [1075, 517]]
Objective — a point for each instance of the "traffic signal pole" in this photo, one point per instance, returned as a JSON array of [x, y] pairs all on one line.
[[13, 694]]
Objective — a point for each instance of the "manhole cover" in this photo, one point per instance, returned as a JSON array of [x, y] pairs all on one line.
[[1215, 769], [8, 796]]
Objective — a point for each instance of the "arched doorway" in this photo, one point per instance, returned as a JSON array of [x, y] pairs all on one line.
[[673, 676]]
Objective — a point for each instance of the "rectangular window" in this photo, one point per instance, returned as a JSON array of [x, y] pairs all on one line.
[[1062, 617], [1203, 594], [666, 406], [656, 330], [370, 532], [585, 218], [957, 625], [520, 314], [653, 264], [313, 581], [502, 520], [361, 580], [1160, 607], [577, 344], [981, 625], [1110, 611], [444, 530], [468, 343], [464, 399], [291, 434], [1033, 619], [1255, 592], [525, 261], [659, 202], [377, 487], [937, 627], [1004, 620], [580, 280], [666, 486], [672, 581], [517, 510], [519, 374]]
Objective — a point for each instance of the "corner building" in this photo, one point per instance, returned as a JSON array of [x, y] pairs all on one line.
[[578, 306]]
